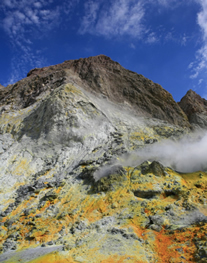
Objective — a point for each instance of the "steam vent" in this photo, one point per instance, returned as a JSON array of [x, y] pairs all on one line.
[[98, 164]]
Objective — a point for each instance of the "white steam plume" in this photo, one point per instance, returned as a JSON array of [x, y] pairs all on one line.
[[186, 155]]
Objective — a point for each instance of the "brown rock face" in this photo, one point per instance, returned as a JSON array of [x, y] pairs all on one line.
[[76, 168], [103, 76], [195, 108]]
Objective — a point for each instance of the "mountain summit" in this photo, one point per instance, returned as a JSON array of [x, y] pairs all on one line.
[[195, 108], [98, 164], [99, 75]]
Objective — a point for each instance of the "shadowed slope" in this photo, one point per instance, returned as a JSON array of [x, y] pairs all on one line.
[[195, 108], [100, 75]]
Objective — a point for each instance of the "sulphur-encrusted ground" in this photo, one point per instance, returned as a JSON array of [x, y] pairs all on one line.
[[131, 216], [66, 195]]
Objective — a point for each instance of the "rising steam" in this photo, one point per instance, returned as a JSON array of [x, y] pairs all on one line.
[[186, 155]]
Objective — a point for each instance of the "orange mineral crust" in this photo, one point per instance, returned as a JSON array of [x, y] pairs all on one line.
[[99, 164]]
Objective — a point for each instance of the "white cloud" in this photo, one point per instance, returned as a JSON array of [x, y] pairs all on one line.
[[152, 38], [68, 5], [202, 18], [45, 13], [89, 20], [116, 18], [172, 4], [7, 23], [8, 3], [20, 20], [199, 66], [166, 3], [37, 5], [200, 81], [184, 40], [22, 17], [33, 16], [19, 63], [24, 21]]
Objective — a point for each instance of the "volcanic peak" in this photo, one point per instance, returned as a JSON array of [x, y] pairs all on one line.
[[72, 174], [101, 76]]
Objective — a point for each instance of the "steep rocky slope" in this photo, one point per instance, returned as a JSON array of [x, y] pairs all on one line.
[[73, 187], [98, 75], [195, 108]]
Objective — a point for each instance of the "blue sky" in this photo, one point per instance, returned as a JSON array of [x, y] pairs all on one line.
[[164, 40]]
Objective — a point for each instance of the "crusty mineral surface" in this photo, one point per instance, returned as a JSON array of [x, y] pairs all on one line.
[[72, 185]]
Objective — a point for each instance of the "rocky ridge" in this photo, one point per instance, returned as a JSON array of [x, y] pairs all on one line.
[[195, 108], [97, 75], [72, 188]]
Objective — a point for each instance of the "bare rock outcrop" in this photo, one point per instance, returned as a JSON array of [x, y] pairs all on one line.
[[75, 184], [195, 108], [99, 75]]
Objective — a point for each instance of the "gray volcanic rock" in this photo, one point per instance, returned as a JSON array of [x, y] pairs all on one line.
[[195, 108], [72, 184], [99, 75]]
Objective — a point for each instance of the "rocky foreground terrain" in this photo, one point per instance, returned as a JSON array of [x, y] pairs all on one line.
[[96, 166]]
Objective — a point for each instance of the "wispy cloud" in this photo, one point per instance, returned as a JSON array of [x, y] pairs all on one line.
[[118, 18], [25, 21], [199, 66], [184, 40], [200, 81], [21, 60], [152, 38], [91, 16], [113, 18], [28, 17], [167, 3]]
